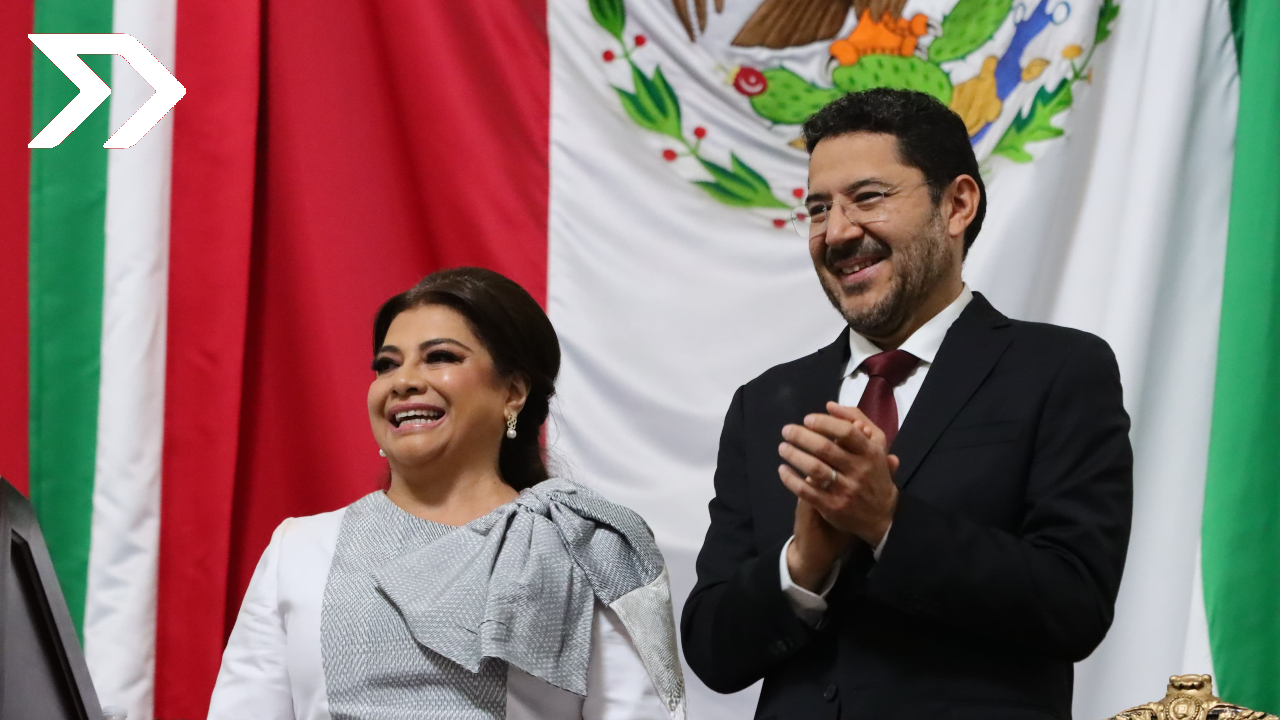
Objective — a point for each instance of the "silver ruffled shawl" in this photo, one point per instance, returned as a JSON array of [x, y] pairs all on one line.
[[520, 585]]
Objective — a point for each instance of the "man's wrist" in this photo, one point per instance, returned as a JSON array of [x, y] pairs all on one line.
[[878, 550], [808, 570], [875, 537]]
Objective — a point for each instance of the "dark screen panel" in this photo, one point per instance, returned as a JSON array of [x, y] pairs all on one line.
[[36, 686], [43, 675]]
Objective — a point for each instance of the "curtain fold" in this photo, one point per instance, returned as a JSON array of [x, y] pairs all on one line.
[[327, 155]]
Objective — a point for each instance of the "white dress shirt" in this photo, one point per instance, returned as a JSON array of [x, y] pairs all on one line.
[[923, 344]]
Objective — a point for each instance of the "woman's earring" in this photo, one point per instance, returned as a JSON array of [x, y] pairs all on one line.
[[511, 427], [382, 452]]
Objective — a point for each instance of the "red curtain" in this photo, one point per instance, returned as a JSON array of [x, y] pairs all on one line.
[[328, 155], [15, 132]]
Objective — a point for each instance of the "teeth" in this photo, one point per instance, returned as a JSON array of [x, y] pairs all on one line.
[[417, 415], [860, 266]]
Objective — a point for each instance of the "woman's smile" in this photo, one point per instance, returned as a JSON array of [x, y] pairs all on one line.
[[414, 417]]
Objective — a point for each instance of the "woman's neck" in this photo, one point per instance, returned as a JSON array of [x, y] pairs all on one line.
[[450, 497]]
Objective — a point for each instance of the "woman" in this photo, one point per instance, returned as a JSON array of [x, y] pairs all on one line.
[[474, 587]]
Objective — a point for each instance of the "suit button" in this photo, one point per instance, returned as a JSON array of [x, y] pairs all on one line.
[[830, 693]]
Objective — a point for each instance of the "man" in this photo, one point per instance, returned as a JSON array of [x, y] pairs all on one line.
[[929, 517]]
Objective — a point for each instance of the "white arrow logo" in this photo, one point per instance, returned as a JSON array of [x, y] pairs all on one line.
[[64, 50]]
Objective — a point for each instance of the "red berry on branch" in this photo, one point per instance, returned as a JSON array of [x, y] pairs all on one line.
[[699, 132], [798, 192], [779, 223], [641, 40], [609, 56], [669, 155]]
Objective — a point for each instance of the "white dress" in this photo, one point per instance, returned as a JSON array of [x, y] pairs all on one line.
[[273, 665]]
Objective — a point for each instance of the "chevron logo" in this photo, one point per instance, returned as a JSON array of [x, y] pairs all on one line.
[[64, 51]]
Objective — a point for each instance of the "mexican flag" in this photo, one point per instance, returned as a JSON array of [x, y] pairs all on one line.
[[186, 322]]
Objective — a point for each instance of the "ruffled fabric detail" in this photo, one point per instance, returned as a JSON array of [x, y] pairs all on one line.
[[520, 585]]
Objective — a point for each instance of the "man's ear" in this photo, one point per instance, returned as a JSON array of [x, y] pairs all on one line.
[[960, 205]]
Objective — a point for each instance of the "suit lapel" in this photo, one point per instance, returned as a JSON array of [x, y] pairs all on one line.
[[823, 385], [817, 381], [968, 353]]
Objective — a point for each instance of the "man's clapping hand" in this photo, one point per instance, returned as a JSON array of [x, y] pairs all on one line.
[[837, 466]]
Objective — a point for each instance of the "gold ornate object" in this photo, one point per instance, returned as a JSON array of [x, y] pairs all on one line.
[[1190, 697]]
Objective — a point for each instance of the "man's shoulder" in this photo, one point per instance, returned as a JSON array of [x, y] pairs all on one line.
[[1056, 341], [818, 361], [1040, 337], [1039, 353]]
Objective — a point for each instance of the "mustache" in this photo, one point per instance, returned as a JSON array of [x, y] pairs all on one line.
[[867, 246]]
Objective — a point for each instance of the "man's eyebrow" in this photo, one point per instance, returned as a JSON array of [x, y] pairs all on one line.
[[847, 189], [855, 186]]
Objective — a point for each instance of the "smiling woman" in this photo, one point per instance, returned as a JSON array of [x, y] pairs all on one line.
[[438, 597], [471, 344]]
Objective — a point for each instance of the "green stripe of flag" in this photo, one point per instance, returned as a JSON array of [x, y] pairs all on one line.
[[68, 208], [1241, 528]]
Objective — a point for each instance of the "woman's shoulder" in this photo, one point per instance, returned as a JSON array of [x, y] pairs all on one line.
[[320, 522], [301, 550], [309, 532]]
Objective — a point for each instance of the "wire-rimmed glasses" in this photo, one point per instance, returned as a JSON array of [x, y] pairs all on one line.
[[864, 207]]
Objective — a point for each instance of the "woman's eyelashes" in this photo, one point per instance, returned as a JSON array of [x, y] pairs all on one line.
[[442, 356], [385, 364]]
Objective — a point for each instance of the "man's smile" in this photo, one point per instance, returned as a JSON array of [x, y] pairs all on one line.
[[857, 270]]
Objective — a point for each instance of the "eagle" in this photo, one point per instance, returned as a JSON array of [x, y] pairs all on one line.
[[779, 24]]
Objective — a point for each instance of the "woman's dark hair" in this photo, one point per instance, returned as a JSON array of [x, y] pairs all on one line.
[[931, 137], [515, 331]]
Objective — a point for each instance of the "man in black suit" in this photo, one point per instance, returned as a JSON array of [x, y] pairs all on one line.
[[952, 544]]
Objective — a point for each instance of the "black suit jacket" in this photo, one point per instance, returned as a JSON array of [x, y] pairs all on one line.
[[1003, 562]]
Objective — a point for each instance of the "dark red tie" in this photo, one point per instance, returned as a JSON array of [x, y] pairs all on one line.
[[885, 371]]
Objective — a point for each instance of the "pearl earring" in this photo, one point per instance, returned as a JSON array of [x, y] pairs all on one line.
[[382, 452], [511, 427]]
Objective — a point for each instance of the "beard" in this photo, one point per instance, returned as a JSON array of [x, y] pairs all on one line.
[[919, 266]]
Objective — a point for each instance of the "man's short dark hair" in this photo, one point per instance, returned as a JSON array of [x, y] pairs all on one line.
[[931, 137]]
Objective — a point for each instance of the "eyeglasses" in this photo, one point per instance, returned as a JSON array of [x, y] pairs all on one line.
[[863, 208]]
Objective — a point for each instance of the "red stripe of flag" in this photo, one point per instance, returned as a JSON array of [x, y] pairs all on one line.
[[15, 132], [396, 138], [401, 137], [215, 130]]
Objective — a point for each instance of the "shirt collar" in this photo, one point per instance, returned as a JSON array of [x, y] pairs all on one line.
[[923, 343]]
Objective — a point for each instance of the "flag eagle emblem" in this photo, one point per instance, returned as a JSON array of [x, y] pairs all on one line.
[[1007, 67]]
